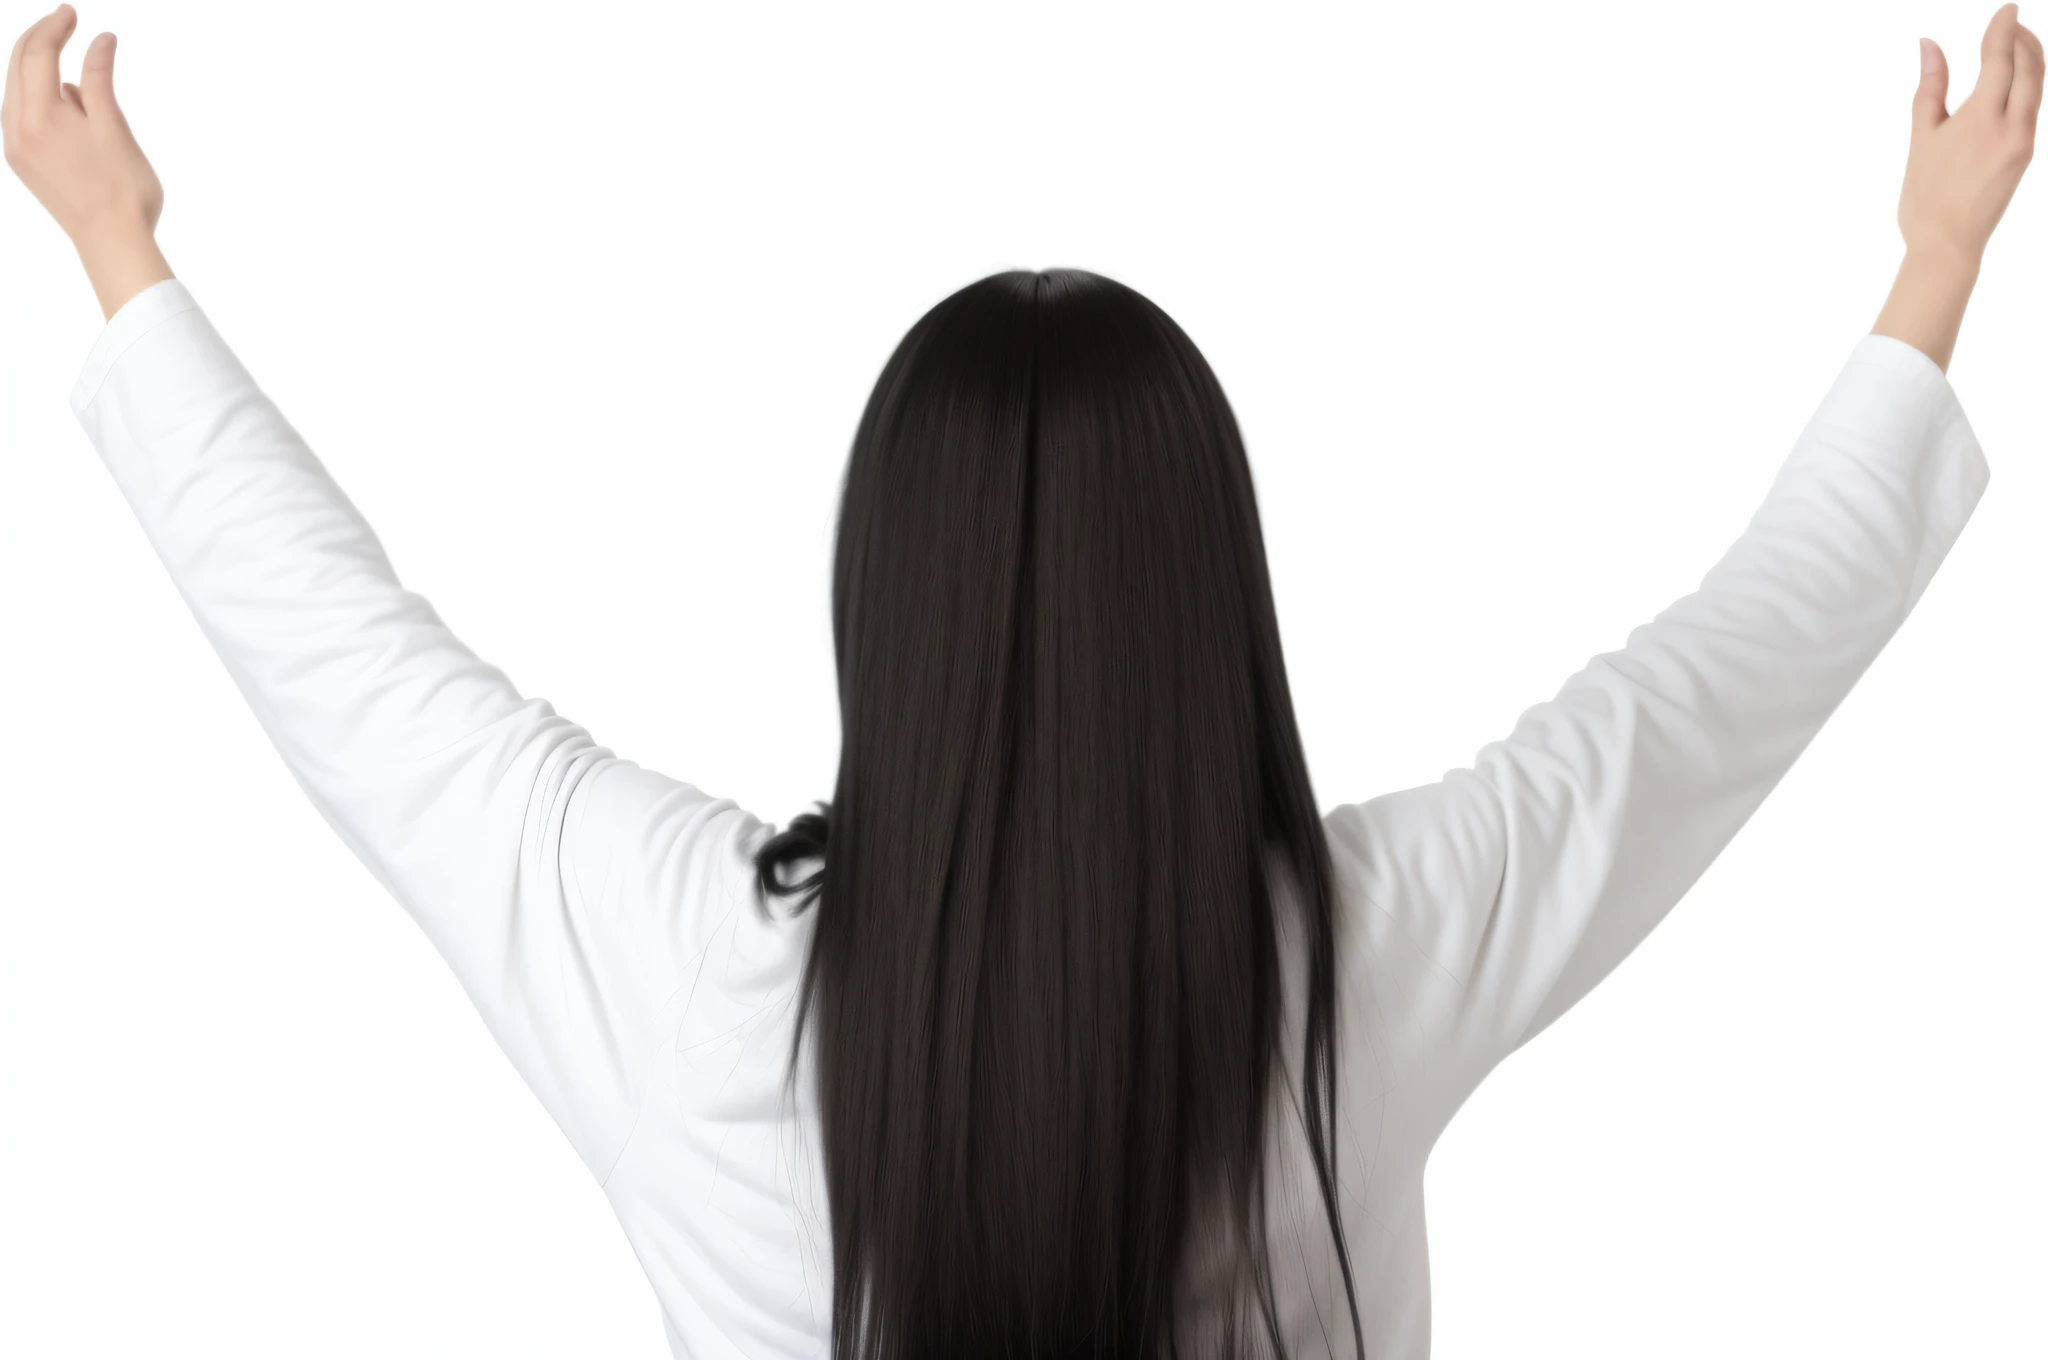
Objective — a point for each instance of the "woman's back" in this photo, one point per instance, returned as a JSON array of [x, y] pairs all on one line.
[[720, 1185]]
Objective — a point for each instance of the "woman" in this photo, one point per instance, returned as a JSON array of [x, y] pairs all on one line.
[[1111, 1044]]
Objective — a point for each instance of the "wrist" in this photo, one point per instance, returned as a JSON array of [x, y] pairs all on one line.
[[121, 259], [1928, 298], [1943, 262]]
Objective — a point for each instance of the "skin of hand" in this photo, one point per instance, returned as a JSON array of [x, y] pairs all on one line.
[[72, 147], [1961, 170]]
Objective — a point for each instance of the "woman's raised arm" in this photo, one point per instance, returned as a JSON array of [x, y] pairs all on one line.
[[566, 888], [1500, 895]]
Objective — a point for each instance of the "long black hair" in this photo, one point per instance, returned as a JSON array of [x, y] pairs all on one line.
[[1044, 975]]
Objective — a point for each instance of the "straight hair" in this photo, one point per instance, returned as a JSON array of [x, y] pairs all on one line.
[[1044, 975]]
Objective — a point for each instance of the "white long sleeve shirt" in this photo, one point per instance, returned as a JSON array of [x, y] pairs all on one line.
[[599, 914]]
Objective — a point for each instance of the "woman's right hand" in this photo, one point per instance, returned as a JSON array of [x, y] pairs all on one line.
[[71, 145], [1961, 170]]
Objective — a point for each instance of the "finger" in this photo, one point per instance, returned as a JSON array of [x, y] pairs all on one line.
[[2030, 68], [70, 93], [1994, 74], [96, 78], [13, 96], [39, 58], [1930, 101]]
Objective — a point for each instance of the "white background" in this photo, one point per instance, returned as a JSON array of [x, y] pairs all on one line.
[[1520, 307]]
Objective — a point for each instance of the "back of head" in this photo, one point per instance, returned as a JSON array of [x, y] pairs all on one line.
[[1044, 981]]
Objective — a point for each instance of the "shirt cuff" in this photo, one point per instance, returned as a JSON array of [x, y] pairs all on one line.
[[136, 317], [1896, 357], [1938, 466]]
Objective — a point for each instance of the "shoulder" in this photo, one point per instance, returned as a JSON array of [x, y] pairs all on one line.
[[674, 860], [1419, 868], [1416, 873]]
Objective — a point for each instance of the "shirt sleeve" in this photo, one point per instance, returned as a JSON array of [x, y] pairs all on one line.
[[1518, 883], [563, 886]]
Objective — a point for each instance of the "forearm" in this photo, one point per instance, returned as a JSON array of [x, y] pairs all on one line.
[[1925, 308], [121, 262]]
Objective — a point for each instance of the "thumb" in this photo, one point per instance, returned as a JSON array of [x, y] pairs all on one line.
[[1930, 101], [96, 78]]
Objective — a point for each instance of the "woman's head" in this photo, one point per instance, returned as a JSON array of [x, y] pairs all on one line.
[[1044, 976]]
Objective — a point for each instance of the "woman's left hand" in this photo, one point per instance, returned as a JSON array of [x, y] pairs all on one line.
[[72, 147]]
